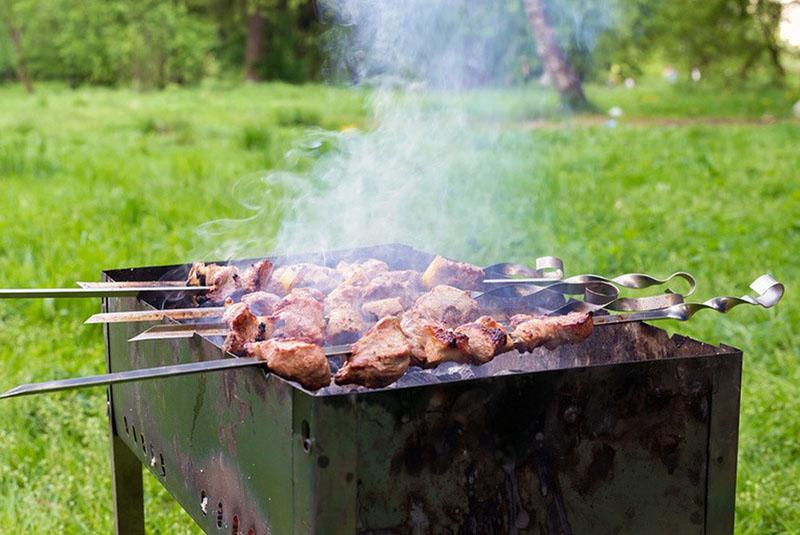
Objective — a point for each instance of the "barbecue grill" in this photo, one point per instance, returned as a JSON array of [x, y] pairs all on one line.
[[631, 431]]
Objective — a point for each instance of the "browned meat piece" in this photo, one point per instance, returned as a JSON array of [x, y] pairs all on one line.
[[261, 303], [440, 345], [345, 324], [485, 339], [343, 310], [530, 332], [379, 358], [360, 273], [295, 360], [225, 280], [197, 275], [300, 316], [383, 307], [344, 294], [406, 285], [445, 307], [320, 278], [257, 276], [244, 326], [452, 273]]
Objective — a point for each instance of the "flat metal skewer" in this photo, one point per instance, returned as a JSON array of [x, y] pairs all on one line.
[[173, 331], [220, 364], [156, 315], [159, 372], [128, 291]]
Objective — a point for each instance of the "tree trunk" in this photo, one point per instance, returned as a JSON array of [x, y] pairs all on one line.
[[254, 49], [562, 76], [22, 65]]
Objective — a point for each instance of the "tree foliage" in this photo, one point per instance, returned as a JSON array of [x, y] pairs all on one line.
[[147, 42], [153, 43]]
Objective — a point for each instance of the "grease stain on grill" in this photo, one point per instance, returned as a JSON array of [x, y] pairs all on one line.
[[199, 399], [600, 469]]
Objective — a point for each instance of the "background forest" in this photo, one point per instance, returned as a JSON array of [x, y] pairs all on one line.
[[153, 43]]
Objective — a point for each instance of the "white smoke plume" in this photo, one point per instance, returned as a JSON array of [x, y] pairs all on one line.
[[431, 169]]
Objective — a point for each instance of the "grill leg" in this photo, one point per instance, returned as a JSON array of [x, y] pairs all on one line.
[[126, 471]]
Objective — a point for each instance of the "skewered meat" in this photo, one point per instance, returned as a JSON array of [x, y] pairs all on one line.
[[344, 294], [294, 360], [300, 316], [343, 310], [440, 345], [405, 284], [360, 273], [447, 305], [244, 326], [379, 358], [381, 308], [256, 277], [530, 332], [345, 324], [485, 339], [472, 343], [261, 303], [444, 307], [225, 280], [452, 273], [320, 278]]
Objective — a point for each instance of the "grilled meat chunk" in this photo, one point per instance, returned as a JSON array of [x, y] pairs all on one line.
[[379, 358], [485, 339], [261, 303], [320, 278], [530, 332], [360, 273], [226, 280], [444, 307], [256, 277], [300, 316], [443, 345], [405, 285], [381, 308], [345, 324], [295, 360], [449, 272], [244, 326]]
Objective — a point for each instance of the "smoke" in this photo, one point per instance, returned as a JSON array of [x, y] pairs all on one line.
[[433, 168]]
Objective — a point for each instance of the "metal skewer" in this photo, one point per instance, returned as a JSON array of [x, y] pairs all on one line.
[[128, 291], [230, 363], [768, 292], [159, 372], [156, 315]]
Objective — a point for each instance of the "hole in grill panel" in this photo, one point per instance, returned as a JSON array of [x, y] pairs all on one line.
[[144, 445], [305, 431], [235, 525], [125, 421], [219, 515], [204, 502], [163, 466], [133, 432]]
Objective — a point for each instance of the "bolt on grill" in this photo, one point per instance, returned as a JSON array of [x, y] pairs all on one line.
[[631, 431]]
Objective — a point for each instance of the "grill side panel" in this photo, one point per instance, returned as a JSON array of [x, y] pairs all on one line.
[[611, 449], [219, 442]]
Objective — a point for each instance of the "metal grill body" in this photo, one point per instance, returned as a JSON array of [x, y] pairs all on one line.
[[630, 432]]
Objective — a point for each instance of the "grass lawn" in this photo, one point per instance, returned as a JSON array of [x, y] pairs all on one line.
[[96, 178]]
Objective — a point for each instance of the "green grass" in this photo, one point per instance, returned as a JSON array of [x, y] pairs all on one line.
[[95, 178]]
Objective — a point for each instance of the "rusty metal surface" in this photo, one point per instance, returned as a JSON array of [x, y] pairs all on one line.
[[623, 433]]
